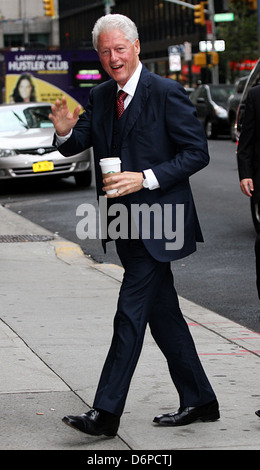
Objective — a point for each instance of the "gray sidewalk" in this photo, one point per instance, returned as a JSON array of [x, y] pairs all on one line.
[[57, 309]]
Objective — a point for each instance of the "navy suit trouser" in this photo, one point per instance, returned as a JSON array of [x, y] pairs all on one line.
[[148, 296], [257, 259]]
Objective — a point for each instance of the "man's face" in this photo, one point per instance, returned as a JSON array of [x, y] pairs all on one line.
[[119, 57]]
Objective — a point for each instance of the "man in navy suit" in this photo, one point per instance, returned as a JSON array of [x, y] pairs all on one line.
[[161, 144], [248, 160]]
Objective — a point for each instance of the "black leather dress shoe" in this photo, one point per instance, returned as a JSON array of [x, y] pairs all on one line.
[[258, 413], [94, 422], [189, 414]]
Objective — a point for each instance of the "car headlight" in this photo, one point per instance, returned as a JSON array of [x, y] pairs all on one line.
[[7, 153], [220, 112]]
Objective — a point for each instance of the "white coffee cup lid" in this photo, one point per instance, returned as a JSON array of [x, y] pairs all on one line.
[[110, 160]]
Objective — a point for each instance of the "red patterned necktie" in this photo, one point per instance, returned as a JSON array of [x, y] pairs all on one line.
[[121, 96]]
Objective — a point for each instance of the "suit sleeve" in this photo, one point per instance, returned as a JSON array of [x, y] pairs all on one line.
[[188, 140], [245, 150]]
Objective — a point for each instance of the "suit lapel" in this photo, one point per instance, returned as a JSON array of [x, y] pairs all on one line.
[[138, 102]]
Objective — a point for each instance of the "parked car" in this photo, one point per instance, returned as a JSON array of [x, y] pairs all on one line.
[[189, 90], [233, 103], [26, 149], [211, 104], [253, 80]]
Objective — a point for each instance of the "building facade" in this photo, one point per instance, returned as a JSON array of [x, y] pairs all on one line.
[[23, 23], [161, 24]]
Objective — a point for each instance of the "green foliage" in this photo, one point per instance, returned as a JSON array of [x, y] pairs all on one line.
[[240, 35]]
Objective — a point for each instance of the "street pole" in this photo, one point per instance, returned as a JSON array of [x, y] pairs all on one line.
[[108, 5], [215, 71], [25, 25], [184, 4], [211, 12]]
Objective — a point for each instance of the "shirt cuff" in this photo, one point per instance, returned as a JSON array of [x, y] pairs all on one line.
[[60, 139], [151, 179]]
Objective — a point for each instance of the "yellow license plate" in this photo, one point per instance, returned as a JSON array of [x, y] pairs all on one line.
[[43, 166]]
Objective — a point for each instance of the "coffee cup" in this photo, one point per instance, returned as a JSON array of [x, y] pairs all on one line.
[[111, 165]]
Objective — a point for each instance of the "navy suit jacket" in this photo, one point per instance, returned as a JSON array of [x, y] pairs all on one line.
[[248, 150], [163, 133]]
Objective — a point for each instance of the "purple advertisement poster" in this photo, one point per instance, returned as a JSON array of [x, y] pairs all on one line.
[[45, 76]]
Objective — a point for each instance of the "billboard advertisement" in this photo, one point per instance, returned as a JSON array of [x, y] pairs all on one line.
[[45, 76]]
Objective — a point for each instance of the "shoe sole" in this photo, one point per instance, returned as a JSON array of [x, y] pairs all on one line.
[[208, 418], [213, 417], [64, 420]]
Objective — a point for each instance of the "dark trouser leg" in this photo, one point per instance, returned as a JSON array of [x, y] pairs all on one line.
[[138, 291], [173, 337], [257, 260]]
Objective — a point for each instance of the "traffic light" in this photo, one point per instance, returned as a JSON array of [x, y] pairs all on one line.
[[252, 4], [199, 15], [49, 7], [200, 59], [214, 58], [205, 59]]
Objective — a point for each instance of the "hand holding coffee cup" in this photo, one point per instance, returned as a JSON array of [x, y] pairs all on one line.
[[110, 166]]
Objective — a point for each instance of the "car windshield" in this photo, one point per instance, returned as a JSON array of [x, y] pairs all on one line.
[[15, 119], [221, 94]]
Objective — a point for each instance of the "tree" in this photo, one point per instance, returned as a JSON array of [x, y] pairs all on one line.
[[240, 37]]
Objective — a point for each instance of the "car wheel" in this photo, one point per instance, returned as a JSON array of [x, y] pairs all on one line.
[[255, 212], [210, 130], [233, 130], [83, 179]]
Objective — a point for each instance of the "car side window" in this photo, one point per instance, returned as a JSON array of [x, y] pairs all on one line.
[[195, 94]]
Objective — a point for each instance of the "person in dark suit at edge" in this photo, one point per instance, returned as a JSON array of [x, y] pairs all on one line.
[[161, 144], [248, 160]]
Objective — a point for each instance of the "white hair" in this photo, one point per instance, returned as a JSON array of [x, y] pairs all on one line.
[[115, 21]]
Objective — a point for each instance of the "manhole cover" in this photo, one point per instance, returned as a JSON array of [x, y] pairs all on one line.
[[25, 238]]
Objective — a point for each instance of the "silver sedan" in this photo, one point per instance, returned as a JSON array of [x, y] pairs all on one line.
[[26, 149]]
